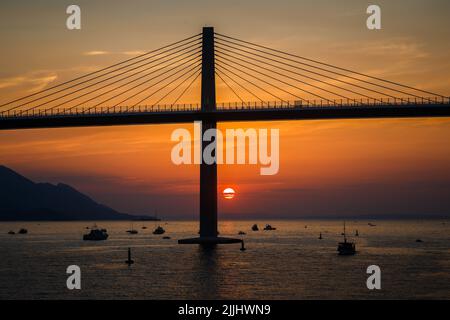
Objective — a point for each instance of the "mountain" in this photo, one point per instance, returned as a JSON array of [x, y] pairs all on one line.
[[22, 199]]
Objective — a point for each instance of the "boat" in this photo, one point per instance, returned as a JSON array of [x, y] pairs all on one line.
[[23, 231], [166, 238], [241, 233], [419, 240], [346, 248], [159, 230], [132, 230], [11, 232], [370, 224], [357, 233], [320, 236], [96, 235], [268, 227], [129, 261], [255, 227]]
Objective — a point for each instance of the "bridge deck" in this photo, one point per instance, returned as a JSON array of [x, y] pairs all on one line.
[[239, 113]]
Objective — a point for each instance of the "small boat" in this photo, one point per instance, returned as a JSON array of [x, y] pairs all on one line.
[[346, 248], [370, 224], [357, 233], [96, 235], [255, 227], [166, 238], [419, 240], [320, 236], [129, 261], [159, 230], [11, 232], [132, 230], [268, 227], [241, 233], [23, 231]]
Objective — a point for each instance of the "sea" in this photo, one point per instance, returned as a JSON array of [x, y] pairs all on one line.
[[290, 262]]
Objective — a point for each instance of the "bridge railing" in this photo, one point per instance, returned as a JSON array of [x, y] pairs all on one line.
[[222, 107]]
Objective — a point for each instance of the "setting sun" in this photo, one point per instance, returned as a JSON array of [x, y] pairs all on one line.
[[228, 193]]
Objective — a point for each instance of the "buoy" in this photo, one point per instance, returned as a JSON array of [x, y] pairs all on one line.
[[242, 246], [129, 261]]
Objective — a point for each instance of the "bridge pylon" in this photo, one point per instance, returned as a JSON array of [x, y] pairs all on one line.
[[208, 172]]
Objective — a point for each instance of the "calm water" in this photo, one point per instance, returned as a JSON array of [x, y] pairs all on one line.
[[289, 263]]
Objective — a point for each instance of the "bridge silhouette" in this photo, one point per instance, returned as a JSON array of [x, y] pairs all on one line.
[[282, 86]]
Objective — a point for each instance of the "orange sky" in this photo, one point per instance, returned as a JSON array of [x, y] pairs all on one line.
[[326, 167]]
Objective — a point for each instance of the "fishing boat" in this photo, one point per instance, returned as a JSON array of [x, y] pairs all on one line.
[[346, 248], [23, 231], [11, 232], [241, 233], [320, 236], [255, 227], [159, 230], [96, 235], [268, 227]]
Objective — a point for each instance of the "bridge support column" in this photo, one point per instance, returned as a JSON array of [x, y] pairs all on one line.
[[208, 172]]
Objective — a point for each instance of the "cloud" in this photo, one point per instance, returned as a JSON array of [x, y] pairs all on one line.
[[96, 53], [103, 53], [34, 81]]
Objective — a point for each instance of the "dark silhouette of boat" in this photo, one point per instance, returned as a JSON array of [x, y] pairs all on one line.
[[241, 233], [166, 238], [346, 248], [23, 231], [159, 230], [419, 240], [268, 227], [357, 233], [255, 227], [132, 230], [96, 235], [11, 232], [320, 236], [371, 224], [129, 261]]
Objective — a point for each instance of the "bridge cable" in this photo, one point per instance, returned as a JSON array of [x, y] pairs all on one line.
[[293, 72], [140, 84], [255, 85], [332, 66], [101, 70], [240, 85], [229, 87], [198, 71], [110, 84], [323, 75], [286, 83], [198, 66], [271, 84], [187, 88]]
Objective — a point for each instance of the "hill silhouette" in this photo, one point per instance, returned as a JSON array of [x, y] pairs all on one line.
[[23, 199]]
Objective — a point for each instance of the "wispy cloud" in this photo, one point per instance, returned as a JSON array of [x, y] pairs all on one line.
[[104, 52], [96, 53], [33, 81]]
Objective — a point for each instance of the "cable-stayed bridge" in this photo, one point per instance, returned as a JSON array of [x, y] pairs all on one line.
[[268, 84]]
